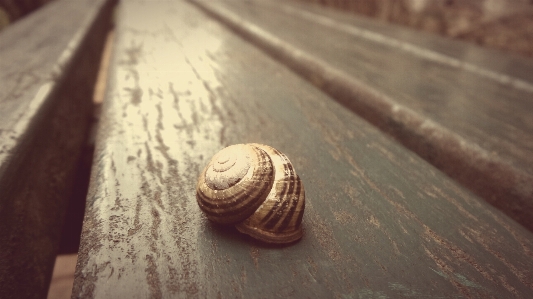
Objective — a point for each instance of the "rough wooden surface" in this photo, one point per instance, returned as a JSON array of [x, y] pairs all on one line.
[[453, 106], [380, 222], [47, 68]]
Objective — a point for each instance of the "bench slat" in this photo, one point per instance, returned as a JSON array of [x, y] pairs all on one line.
[[379, 221], [48, 65]]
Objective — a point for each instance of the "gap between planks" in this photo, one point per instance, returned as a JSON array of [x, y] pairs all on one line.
[[65, 264]]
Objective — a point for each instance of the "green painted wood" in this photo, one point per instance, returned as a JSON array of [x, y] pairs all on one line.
[[380, 222], [48, 65], [464, 109]]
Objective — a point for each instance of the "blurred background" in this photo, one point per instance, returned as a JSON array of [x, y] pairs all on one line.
[[12, 10], [500, 24]]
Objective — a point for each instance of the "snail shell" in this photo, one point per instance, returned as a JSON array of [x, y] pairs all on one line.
[[255, 187]]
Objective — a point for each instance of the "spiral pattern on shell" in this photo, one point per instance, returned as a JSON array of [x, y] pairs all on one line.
[[255, 187]]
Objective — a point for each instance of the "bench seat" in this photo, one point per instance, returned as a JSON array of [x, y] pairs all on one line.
[[380, 221]]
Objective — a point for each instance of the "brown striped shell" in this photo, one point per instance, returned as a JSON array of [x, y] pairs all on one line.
[[255, 187]]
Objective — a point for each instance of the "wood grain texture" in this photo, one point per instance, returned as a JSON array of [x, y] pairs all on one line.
[[47, 70], [380, 222]]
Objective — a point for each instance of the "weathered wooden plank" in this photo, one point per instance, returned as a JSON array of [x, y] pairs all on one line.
[[48, 66], [470, 120], [379, 222]]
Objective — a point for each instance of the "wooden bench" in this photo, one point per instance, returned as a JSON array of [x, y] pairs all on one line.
[[48, 66], [380, 221]]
